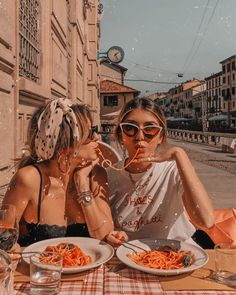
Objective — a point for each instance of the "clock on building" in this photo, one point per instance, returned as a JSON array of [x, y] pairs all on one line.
[[115, 54]]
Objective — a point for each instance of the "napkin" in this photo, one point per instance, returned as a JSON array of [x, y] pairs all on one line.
[[22, 274], [199, 279]]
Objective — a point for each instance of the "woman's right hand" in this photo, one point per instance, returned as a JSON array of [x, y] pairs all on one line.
[[84, 170], [116, 238]]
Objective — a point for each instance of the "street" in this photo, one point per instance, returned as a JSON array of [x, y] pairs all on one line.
[[217, 171]]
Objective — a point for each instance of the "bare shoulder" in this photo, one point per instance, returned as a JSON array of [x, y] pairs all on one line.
[[23, 186], [26, 177]]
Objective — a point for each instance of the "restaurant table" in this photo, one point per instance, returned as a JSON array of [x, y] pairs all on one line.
[[102, 281]]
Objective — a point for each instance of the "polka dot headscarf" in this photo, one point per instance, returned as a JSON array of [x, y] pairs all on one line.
[[49, 127]]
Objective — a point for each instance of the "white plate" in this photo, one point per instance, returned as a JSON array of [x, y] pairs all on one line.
[[99, 251], [201, 257]]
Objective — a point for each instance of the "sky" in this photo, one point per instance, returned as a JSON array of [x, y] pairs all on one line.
[[164, 38]]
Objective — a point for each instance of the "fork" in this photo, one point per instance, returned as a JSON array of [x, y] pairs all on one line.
[[22, 253], [130, 244], [165, 248]]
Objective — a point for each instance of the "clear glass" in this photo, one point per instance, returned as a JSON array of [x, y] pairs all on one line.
[[9, 227], [45, 277], [6, 274], [225, 263]]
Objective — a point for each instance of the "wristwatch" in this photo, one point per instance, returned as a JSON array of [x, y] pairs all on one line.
[[85, 198]]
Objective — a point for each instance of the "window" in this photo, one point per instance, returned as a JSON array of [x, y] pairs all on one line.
[[29, 39], [223, 79], [110, 100], [233, 90], [223, 70], [233, 65], [228, 67]]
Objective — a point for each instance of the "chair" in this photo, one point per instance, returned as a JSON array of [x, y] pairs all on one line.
[[223, 231]]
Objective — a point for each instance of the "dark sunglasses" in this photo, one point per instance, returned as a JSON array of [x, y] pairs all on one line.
[[149, 131]]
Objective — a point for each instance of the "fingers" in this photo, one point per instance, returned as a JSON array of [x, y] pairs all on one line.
[[122, 236], [116, 238]]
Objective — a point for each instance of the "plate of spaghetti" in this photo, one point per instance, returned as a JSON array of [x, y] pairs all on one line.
[[162, 257], [79, 254]]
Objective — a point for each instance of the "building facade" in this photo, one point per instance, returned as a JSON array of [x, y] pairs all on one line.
[[229, 85], [214, 97], [113, 95], [48, 49], [210, 104]]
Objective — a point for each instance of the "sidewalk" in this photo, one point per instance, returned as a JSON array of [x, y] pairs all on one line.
[[220, 184]]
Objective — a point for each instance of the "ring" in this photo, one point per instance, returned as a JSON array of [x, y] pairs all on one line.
[[106, 161]]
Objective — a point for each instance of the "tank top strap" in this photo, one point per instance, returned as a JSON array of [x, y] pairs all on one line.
[[40, 192]]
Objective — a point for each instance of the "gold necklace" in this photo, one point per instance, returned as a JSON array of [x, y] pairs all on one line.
[[138, 188]]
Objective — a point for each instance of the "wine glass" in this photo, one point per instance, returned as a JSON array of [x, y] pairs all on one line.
[[9, 227], [6, 275]]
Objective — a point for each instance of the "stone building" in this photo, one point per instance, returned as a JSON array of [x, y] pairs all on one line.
[[48, 49], [229, 84], [177, 102], [214, 98], [113, 94]]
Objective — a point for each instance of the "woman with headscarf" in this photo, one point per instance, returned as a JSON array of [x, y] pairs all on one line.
[[59, 189]]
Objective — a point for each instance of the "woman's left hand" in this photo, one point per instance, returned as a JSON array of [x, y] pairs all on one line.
[[167, 154]]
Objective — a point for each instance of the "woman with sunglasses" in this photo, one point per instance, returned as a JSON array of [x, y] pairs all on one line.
[[158, 192], [59, 190]]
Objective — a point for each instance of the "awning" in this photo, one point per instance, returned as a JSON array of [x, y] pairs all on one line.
[[220, 118], [173, 119]]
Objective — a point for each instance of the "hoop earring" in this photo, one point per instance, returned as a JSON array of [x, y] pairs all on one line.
[[124, 152], [64, 170]]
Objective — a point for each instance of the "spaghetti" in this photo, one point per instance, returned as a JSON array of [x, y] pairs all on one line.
[[163, 259], [109, 164], [72, 255]]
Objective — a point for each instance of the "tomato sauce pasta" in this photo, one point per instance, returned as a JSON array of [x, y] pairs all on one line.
[[72, 255], [163, 259]]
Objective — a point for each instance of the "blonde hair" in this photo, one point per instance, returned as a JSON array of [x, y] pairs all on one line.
[[143, 104]]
